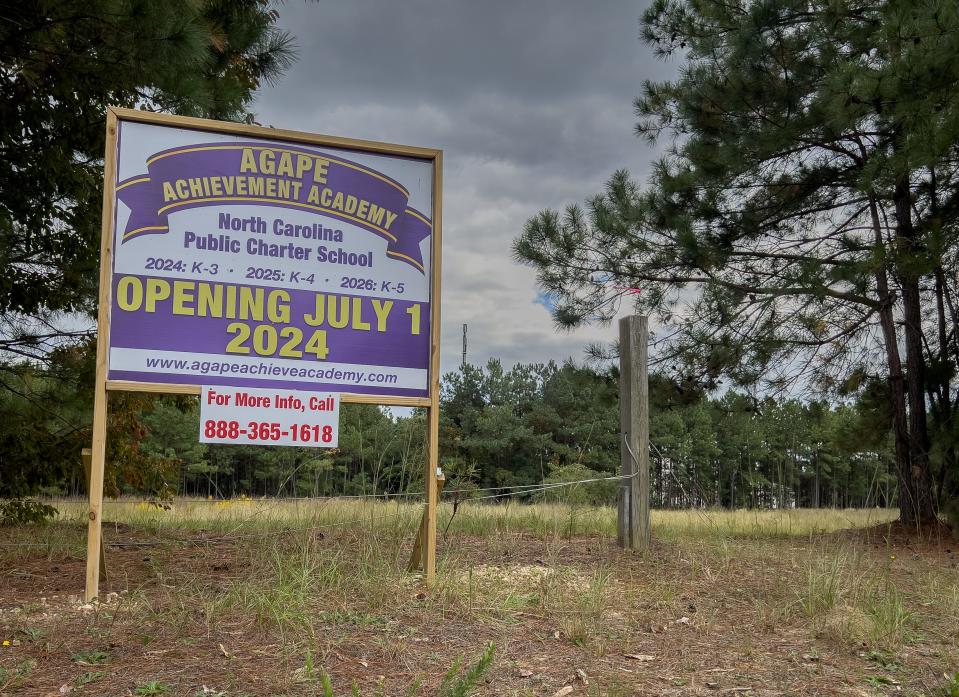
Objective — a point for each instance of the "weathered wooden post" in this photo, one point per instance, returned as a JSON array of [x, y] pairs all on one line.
[[87, 456], [633, 522]]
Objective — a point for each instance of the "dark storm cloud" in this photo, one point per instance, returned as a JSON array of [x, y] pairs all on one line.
[[531, 103], [408, 51]]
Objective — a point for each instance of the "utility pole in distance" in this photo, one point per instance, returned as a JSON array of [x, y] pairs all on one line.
[[633, 502], [463, 364]]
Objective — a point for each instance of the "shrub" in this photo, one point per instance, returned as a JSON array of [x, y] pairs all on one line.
[[25, 511]]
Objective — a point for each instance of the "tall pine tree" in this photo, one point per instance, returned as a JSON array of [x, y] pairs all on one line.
[[62, 62], [802, 222]]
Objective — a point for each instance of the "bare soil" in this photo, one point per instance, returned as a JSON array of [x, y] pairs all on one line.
[[688, 618]]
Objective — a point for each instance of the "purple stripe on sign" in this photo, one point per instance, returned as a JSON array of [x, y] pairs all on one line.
[[360, 341]]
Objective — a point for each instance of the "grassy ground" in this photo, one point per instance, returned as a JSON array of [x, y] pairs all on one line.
[[265, 598]]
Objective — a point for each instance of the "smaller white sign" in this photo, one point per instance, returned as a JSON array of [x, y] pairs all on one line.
[[261, 416]]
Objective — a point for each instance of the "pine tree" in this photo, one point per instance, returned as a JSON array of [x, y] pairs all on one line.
[[799, 227], [62, 62]]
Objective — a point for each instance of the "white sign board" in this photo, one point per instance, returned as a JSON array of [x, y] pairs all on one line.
[[259, 416]]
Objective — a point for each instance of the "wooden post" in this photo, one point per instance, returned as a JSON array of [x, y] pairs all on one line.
[[433, 412], [86, 455], [99, 449], [416, 558], [633, 503]]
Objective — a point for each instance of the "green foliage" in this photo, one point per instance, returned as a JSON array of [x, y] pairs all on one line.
[[15, 677], [91, 657], [733, 451], [951, 687], [34, 633], [44, 423], [456, 682], [826, 585], [309, 671], [592, 493], [518, 426], [25, 512], [376, 454], [459, 684], [88, 677], [153, 687], [526, 426], [802, 209], [63, 63], [889, 620]]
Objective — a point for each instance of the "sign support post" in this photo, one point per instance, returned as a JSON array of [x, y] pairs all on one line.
[[633, 509], [433, 413], [99, 446], [86, 456]]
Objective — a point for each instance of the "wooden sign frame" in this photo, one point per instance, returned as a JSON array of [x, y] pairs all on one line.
[[427, 538]]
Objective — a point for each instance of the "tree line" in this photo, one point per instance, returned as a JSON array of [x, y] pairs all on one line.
[[500, 427], [555, 423], [801, 231]]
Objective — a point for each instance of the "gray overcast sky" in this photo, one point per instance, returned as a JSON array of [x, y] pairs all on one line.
[[532, 104]]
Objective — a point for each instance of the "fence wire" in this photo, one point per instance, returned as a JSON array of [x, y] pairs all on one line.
[[502, 492]]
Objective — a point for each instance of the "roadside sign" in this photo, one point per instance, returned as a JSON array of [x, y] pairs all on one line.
[[244, 257]]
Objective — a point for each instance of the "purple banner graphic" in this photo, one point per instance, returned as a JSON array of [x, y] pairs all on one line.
[[283, 175], [186, 331], [348, 320]]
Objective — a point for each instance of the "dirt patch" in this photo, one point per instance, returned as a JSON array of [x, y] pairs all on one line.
[[261, 617]]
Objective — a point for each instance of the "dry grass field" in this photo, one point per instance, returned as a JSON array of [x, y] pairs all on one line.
[[289, 598]]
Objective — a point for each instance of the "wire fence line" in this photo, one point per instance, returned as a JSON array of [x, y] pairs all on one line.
[[505, 491], [517, 488]]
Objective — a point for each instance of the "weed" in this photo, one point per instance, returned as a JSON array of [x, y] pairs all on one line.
[[348, 617], [154, 687], [10, 678], [281, 596], [456, 684], [889, 620], [584, 618], [309, 673], [90, 657], [325, 683], [88, 677], [771, 613], [826, 585], [878, 681], [33, 634], [288, 585], [951, 687], [885, 661]]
